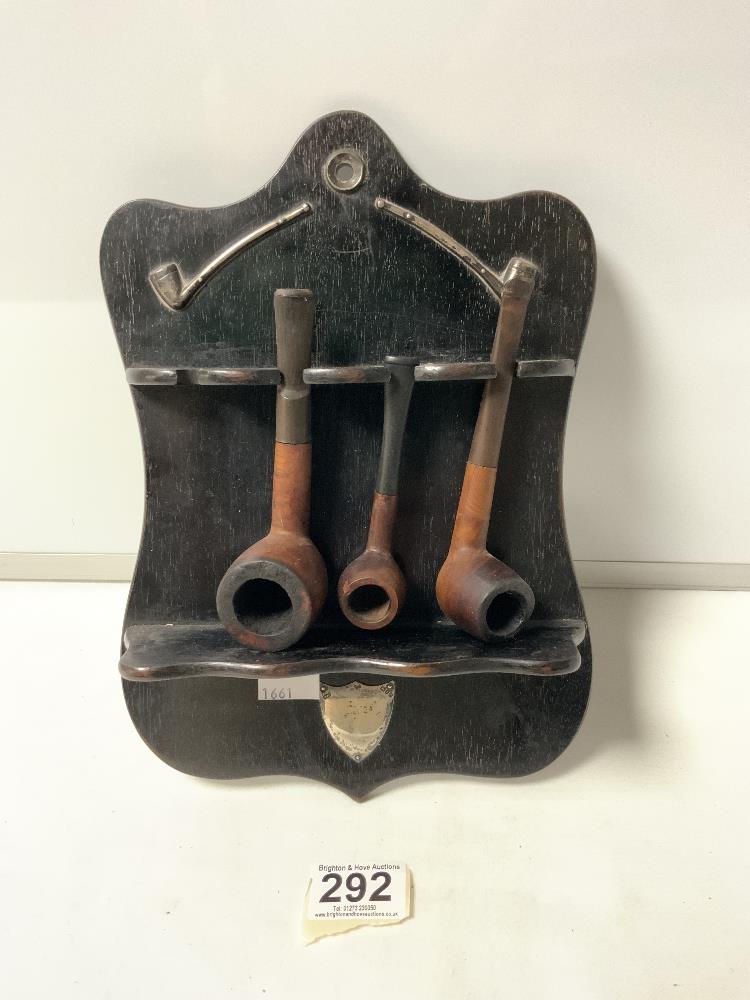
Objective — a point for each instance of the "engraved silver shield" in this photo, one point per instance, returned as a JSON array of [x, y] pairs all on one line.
[[356, 715]]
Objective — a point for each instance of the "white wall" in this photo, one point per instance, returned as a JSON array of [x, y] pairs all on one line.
[[637, 112]]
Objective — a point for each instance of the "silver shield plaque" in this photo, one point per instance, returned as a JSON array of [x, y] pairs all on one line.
[[356, 715]]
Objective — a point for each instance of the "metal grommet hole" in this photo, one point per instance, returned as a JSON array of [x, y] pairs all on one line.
[[344, 170]]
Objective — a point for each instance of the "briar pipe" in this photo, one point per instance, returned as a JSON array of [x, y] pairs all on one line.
[[272, 593], [479, 593], [372, 588]]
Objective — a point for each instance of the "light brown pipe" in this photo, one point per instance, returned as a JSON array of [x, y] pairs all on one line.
[[372, 588], [271, 594], [478, 592]]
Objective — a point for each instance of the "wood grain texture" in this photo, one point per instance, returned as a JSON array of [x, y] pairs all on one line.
[[290, 496], [274, 590], [480, 593], [381, 288]]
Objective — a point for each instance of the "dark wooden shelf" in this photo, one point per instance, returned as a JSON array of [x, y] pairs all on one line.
[[204, 649]]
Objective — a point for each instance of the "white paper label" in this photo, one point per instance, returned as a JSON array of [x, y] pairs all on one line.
[[359, 892], [290, 688]]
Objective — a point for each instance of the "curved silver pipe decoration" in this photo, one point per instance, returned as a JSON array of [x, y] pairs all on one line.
[[176, 291], [493, 280]]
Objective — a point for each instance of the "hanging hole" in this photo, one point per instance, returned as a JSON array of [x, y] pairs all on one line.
[[344, 170]]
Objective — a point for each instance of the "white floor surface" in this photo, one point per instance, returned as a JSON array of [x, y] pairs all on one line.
[[621, 871]]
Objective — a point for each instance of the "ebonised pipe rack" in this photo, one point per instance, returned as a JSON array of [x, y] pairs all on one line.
[[397, 268]]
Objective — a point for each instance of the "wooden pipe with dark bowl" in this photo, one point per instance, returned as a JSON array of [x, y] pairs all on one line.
[[372, 588], [479, 593], [272, 593]]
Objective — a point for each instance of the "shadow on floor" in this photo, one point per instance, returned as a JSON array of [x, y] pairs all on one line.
[[612, 718]]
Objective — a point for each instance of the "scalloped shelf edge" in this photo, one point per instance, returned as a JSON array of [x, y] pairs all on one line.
[[176, 651]]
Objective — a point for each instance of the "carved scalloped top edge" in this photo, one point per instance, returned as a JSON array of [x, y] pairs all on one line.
[[307, 136]]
